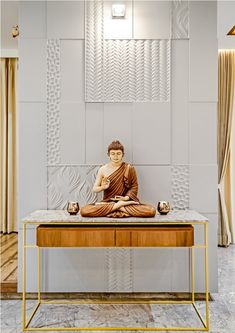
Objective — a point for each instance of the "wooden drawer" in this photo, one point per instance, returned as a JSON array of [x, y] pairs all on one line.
[[48, 236], [72, 236], [171, 236]]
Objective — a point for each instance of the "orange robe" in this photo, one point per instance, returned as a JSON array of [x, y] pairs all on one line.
[[123, 182]]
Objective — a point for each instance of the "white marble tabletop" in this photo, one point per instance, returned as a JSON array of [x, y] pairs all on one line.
[[62, 216]]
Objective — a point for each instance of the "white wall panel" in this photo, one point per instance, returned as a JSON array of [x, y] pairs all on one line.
[[213, 262], [152, 19], [72, 133], [32, 19], [31, 261], [65, 19], [75, 270], [203, 51], [118, 126], [181, 260], [63, 270], [72, 70], [181, 276], [152, 269], [151, 133], [155, 134], [203, 138], [203, 188], [95, 149], [117, 28], [154, 183], [32, 158], [180, 95], [32, 70]]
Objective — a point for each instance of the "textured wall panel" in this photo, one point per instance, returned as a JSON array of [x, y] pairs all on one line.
[[53, 101], [180, 186], [119, 269], [124, 70], [137, 70], [94, 51], [71, 183], [180, 19]]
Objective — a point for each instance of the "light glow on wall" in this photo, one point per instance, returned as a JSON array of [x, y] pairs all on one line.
[[118, 20]]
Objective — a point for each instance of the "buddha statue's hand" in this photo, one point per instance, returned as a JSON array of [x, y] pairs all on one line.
[[121, 203], [120, 197], [105, 183]]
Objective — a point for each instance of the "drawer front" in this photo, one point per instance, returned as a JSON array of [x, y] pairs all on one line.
[[161, 237], [75, 237], [50, 236]]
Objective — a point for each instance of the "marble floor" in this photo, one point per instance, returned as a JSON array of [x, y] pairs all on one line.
[[222, 309]]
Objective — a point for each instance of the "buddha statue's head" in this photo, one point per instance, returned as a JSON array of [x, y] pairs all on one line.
[[116, 151]]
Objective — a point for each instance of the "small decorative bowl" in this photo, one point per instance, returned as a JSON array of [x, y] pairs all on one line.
[[72, 207], [163, 207]]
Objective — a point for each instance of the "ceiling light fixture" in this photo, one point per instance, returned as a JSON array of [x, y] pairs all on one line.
[[231, 32], [118, 11]]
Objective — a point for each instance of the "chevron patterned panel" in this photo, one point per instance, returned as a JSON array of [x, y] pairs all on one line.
[[119, 269], [180, 19], [71, 183], [94, 51], [137, 70], [180, 186], [124, 70], [53, 101]]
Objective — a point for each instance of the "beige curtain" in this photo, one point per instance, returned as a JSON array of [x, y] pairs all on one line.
[[225, 115], [8, 74]]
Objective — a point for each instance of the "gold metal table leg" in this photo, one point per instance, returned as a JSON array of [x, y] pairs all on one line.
[[24, 279], [25, 323]]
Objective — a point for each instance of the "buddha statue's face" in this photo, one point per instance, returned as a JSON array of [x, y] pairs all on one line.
[[116, 155]]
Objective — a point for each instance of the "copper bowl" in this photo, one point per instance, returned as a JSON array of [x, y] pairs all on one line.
[[163, 207], [72, 207]]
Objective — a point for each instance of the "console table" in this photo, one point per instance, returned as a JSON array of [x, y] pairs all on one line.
[[56, 228]]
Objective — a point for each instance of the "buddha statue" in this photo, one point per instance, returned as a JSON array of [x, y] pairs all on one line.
[[119, 184]]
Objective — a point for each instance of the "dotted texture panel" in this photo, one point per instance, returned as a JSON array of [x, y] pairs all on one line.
[[53, 102], [180, 186]]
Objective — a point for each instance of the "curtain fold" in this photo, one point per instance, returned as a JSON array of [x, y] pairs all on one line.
[[225, 114], [8, 206]]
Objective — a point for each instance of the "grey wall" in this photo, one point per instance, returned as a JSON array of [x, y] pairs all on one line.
[[226, 20], [170, 137], [9, 18]]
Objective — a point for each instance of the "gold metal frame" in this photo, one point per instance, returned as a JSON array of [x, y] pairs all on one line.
[[205, 322]]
